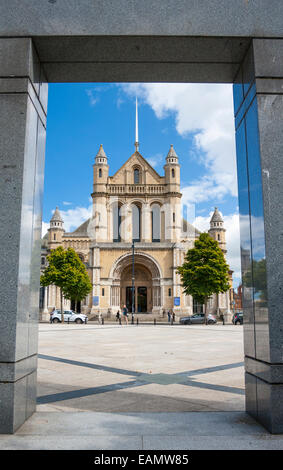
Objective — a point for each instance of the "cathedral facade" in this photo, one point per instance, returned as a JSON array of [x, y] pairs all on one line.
[[133, 243]]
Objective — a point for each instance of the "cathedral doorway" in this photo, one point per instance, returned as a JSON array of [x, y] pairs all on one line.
[[140, 299], [147, 283], [142, 290]]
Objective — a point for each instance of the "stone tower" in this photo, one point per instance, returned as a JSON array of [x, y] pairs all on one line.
[[56, 230], [172, 182], [99, 196], [217, 230]]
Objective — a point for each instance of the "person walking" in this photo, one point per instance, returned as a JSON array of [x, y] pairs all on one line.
[[169, 316], [51, 313], [125, 314]]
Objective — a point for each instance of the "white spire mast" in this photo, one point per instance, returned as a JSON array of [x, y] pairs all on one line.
[[137, 127]]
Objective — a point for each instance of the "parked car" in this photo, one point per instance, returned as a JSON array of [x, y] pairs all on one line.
[[238, 318], [69, 316], [197, 318]]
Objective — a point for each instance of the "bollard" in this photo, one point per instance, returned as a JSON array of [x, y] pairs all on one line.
[[102, 321], [154, 321], [85, 320], [132, 319], [120, 321], [172, 321], [137, 321], [68, 320]]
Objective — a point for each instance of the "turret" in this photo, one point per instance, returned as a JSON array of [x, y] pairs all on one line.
[[56, 230], [172, 182], [99, 196], [100, 171], [172, 171], [217, 230]]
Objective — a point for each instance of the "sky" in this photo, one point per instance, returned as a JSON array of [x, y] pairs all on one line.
[[196, 118]]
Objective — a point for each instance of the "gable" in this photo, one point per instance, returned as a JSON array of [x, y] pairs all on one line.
[[147, 173]]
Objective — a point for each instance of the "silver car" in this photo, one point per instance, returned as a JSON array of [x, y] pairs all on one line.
[[69, 316], [197, 318]]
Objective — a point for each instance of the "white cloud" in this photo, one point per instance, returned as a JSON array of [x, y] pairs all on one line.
[[155, 160], [205, 110], [92, 98], [72, 218]]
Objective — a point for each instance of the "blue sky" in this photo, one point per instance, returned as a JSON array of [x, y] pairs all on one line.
[[196, 119]]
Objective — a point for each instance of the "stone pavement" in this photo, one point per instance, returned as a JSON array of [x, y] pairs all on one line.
[[140, 368], [137, 431], [146, 387]]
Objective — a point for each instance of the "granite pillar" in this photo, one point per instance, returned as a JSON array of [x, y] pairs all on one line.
[[23, 102], [258, 102]]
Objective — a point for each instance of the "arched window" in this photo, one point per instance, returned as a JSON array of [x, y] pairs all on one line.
[[155, 222], [136, 176], [173, 173], [136, 223], [116, 210], [99, 172]]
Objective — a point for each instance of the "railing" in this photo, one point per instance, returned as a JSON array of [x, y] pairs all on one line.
[[136, 189]]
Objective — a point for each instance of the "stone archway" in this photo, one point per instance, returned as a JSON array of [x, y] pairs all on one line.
[[143, 289], [147, 275]]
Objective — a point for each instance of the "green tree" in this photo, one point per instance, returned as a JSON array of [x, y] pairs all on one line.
[[66, 271], [204, 271]]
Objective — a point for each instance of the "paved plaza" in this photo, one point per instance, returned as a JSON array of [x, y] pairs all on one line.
[[140, 387], [143, 368]]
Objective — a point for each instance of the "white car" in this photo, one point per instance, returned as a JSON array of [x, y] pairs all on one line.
[[69, 316]]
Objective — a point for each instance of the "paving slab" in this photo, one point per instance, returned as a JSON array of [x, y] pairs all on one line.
[[140, 369], [148, 387], [136, 431]]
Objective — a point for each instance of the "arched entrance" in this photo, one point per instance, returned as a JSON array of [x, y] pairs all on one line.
[[142, 289], [148, 284]]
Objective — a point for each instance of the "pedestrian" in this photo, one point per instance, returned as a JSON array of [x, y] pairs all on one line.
[[99, 318], [169, 316], [125, 314], [51, 313], [117, 315], [173, 315]]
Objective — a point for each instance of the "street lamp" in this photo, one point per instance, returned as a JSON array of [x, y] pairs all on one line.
[[133, 280]]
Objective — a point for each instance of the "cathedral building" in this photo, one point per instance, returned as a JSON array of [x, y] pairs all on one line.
[[134, 241]]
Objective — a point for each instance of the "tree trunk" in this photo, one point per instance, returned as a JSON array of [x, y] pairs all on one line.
[[205, 310], [62, 312]]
